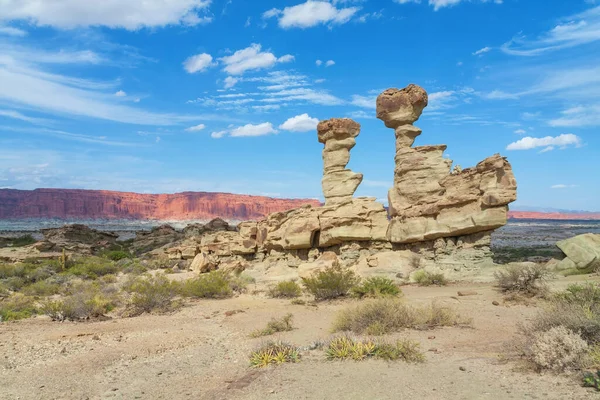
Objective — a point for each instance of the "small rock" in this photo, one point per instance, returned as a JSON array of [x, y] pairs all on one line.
[[433, 350], [462, 368], [467, 293], [495, 303], [95, 337], [431, 337]]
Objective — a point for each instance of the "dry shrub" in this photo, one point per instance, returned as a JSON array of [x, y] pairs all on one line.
[[151, 293], [17, 307], [285, 289], [330, 283], [389, 315], [376, 287], [528, 280], [426, 278], [214, 285], [283, 324], [557, 349], [84, 300]]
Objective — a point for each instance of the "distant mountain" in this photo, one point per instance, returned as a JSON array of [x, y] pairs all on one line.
[[552, 210], [554, 215], [102, 204]]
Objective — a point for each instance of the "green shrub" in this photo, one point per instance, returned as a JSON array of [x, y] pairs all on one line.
[[151, 293], [213, 285], [116, 255], [285, 289], [587, 295], [17, 307], [91, 267], [330, 283], [382, 316], [529, 280], [274, 353], [83, 301], [592, 380], [426, 278], [345, 347], [376, 287], [274, 326], [24, 240], [41, 288]]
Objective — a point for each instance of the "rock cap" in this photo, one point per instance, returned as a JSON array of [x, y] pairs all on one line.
[[396, 107]]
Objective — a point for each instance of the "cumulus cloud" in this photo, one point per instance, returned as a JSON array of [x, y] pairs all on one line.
[[319, 63], [520, 131], [196, 128], [252, 58], [249, 130], [300, 123], [198, 63], [230, 82], [120, 93], [10, 31], [329, 63], [311, 13], [131, 15], [548, 142], [482, 51]]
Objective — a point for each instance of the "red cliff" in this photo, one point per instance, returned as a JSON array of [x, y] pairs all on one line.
[[96, 204], [553, 215]]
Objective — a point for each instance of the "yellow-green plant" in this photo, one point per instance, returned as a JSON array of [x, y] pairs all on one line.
[[283, 324], [274, 353]]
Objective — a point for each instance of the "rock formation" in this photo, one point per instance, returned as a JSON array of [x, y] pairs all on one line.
[[338, 136], [95, 204], [427, 201], [438, 217], [582, 252]]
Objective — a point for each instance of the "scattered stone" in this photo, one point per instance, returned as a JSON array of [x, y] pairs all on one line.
[[233, 312], [467, 293], [462, 368], [495, 303], [582, 251]]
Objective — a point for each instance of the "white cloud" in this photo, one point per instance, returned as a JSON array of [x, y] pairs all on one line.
[[319, 63], [121, 93], [10, 31], [482, 51], [196, 128], [198, 63], [360, 114], [329, 63], [311, 13], [520, 131], [548, 142], [437, 4], [300, 123], [572, 31], [230, 82], [580, 116], [459, 64], [364, 101], [562, 186], [251, 58], [131, 15], [17, 115], [249, 130]]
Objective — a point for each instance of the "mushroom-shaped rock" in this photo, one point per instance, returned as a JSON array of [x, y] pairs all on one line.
[[396, 107]]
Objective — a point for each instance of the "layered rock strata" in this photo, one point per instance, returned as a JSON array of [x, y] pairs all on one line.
[[338, 136]]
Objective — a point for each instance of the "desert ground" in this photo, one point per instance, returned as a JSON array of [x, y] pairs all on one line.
[[201, 352]]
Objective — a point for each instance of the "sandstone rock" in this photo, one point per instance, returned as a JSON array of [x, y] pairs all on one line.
[[397, 107], [582, 250], [78, 238], [234, 266], [227, 243], [327, 260], [160, 236], [203, 263], [389, 264]]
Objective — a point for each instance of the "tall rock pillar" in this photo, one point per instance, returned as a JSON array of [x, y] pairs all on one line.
[[338, 135]]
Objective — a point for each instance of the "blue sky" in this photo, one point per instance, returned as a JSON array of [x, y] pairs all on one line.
[[166, 96]]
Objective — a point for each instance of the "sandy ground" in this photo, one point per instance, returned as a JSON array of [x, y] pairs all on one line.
[[201, 352]]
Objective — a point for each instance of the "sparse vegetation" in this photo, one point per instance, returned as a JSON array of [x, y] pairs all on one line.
[[84, 300], [21, 241], [18, 306], [151, 293], [557, 349], [213, 285], [116, 255], [527, 280], [330, 283], [285, 289], [426, 278], [274, 353], [383, 316], [592, 380], [283, 324], [345, 347], [376, 287]]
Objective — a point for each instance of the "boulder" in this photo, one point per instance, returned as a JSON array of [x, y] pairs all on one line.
[[389, 264], [204, 263], [77, 238], [327, 260], [160, 236], [582, 251]]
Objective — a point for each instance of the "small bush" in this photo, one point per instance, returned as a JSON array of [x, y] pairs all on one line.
[[587, 295], [426, 278], [298, 302], [592, 380], [17, 307], [116, 255], [382, 316], [330, 283], [523, 279], [213, 285], [91, 267], [41, 288], [83, 302], [344, 347], [24, 240], [274, 353], [558, 349], [285, 289], [151, 293], [376, 287], [274, 326]]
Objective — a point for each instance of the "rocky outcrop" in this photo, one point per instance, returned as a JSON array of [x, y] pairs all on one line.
[[76, 238], [338, 136], [96, 204], [427, 201], [582, 252]]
